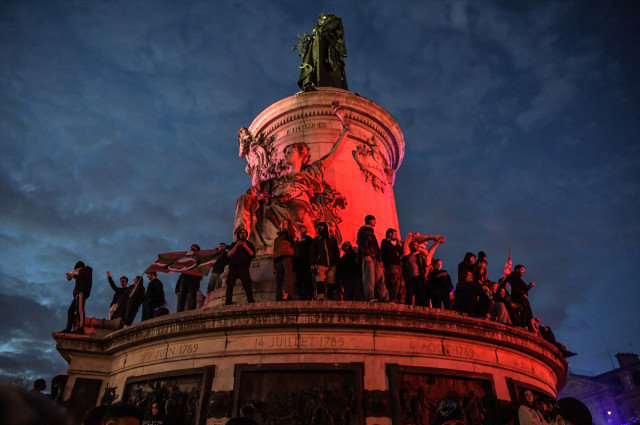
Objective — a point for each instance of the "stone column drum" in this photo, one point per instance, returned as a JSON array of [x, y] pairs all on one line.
[[365, 170]]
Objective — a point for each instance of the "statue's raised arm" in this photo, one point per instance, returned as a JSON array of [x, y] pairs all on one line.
[[338, 146]]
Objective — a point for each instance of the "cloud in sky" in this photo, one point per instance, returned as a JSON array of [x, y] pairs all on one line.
[[118, 126]]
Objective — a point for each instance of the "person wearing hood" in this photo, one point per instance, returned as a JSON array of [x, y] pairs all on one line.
[[83, 275]]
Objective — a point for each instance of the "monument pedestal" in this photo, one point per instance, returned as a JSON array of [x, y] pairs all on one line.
[[359, 363]]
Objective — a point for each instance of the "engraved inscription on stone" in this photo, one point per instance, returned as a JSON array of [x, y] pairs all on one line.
[[304, 341], [457, 350], [171, 351], [306, 126], [425, 347]]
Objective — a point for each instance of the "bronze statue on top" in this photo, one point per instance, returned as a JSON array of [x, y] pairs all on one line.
[[322, 55]]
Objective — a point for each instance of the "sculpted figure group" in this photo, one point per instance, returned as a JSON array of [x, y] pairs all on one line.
[[298, 193]]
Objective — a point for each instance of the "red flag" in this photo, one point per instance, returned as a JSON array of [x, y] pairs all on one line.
[[507, 266], [188, 262]]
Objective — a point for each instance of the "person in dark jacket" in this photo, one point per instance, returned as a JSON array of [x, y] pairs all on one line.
[[83, 275], [240, 255], [520, 295], [187, 287], [301, 266], [153, 298], [439, 286], [215, 277], [323, 257], [133, 299], [391, 251], [373, 285], [117, 292], [349, 273]]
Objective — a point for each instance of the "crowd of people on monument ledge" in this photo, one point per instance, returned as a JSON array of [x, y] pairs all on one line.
[[308, 268]]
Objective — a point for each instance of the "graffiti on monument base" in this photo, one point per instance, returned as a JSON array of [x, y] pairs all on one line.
[[176, 399], [423, 396], [300, 394]]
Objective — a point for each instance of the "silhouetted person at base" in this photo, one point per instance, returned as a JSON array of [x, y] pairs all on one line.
[[122, 414], [245, 418], [39, 385], [20, 407], [570, 411]]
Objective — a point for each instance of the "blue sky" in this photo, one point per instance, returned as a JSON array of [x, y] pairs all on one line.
[[118, 125]]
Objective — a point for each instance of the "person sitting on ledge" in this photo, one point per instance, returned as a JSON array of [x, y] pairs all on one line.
[[546, 333], [487, 306], [241, 253]]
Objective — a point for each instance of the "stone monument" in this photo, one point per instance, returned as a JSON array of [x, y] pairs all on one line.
[[310, 362]]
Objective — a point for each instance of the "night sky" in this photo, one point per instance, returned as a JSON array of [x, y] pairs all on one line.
[[118, 127]]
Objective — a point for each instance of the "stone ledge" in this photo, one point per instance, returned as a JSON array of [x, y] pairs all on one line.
[[309, 315]]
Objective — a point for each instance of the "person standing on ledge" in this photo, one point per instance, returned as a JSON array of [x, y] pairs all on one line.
[[241, 253], [373, 287], [188, 286], [391, 251], [153, 298], [520, 295], [83, 275], [215, 278], [117, 292], [283, 260]]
